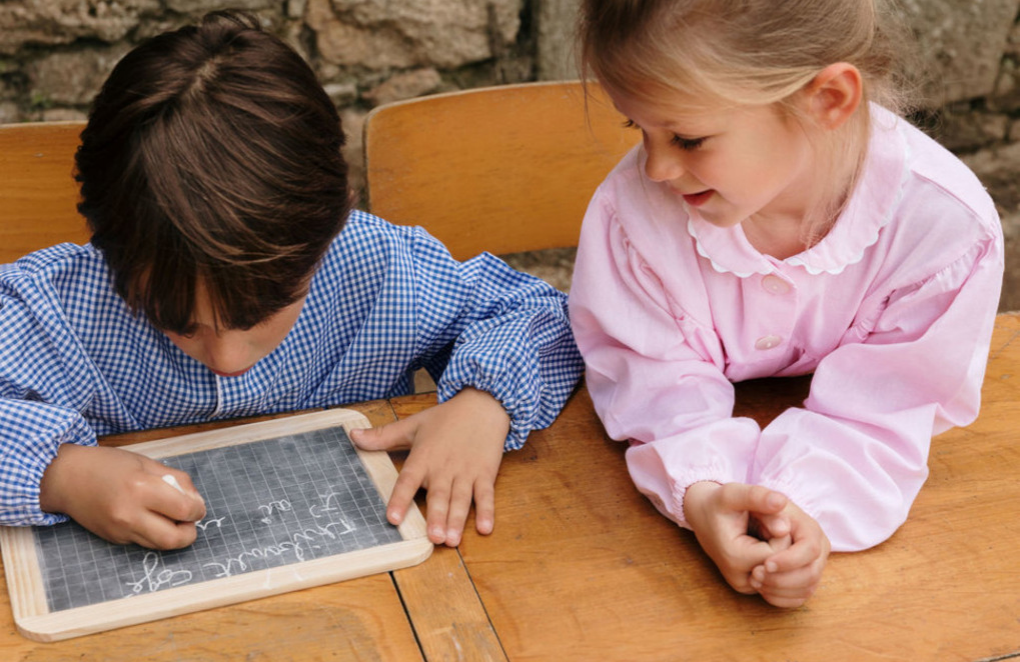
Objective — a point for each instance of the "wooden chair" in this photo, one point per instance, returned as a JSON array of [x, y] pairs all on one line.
[[38, 193], [503, 169]]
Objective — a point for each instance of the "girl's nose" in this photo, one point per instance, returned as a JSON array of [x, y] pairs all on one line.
[[663, 163]]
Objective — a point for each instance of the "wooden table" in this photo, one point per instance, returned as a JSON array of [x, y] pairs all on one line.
[[581, 567]]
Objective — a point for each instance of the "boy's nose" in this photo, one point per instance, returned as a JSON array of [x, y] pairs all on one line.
[[226, 354]]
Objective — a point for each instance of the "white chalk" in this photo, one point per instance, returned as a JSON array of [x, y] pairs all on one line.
[[172, 482]]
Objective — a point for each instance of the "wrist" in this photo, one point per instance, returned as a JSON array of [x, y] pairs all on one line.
[[50, 496], [696, 497], [486, 404]]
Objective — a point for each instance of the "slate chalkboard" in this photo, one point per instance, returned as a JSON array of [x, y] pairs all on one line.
[[290, 503]]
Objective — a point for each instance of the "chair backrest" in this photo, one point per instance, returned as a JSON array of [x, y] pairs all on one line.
[[504, 169], [38, 194]]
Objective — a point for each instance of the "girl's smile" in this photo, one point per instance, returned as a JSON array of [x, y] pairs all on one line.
[[736, 165], [697, 199]]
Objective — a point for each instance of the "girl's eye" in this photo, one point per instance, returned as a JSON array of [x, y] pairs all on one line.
[[688, 144]]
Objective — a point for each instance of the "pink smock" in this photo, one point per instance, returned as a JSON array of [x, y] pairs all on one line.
[[892, 311]]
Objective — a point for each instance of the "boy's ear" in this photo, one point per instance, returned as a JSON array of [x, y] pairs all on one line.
[[834, 94]]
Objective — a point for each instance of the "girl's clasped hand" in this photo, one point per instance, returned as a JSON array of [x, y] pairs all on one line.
[[778, 218]]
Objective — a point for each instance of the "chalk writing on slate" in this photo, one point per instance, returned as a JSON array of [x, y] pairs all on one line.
[[269, 503]]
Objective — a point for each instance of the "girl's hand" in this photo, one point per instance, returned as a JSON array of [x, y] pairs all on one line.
[[121, 496], [456, 448], [720, 516], [789, 577]]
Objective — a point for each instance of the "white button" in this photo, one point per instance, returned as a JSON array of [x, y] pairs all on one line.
[[775, 284], [767, 342]]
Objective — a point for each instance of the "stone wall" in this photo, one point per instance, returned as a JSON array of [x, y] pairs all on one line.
[[54, 54]]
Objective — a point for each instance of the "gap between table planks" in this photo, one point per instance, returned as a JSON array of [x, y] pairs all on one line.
[[447, 615], [29, 601], [360, 619], [581, 567]]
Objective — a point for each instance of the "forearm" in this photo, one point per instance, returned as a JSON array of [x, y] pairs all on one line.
[[31, 435], [525, 357]]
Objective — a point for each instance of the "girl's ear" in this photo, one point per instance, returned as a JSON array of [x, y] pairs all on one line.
[[834, 94]]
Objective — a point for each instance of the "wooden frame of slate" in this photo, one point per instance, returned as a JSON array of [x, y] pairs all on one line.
[[226, 564]]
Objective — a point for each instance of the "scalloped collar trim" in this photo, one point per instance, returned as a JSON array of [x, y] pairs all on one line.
[[870, 209]]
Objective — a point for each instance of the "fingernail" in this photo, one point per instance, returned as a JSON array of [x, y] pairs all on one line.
[[771, 566]]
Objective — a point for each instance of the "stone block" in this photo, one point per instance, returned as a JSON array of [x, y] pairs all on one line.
[[962, 43], [9, 112], [967, 130], [73, 78], [379, 34], [203, 6], [557, 29], [405, 85], [353, 123], [53, 22]]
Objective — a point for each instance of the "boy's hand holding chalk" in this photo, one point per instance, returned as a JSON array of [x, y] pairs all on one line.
[[171, 480], [120, 496], [173, 483]]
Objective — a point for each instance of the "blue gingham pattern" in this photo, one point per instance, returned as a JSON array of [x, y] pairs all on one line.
[[386, 300]]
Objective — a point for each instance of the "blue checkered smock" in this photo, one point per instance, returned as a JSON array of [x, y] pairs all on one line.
[[386, 300]]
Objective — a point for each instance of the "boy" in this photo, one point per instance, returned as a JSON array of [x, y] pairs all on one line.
[[218, 284]]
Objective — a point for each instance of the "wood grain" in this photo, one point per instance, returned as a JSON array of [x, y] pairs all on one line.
[[37, 187], [449, 619], [35, 620], [560, 142], [581, 567], [361, 619]]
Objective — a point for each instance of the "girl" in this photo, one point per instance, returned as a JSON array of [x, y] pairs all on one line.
[[777, 219]]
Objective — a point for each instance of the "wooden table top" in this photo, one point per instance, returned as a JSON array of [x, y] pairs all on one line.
[[582, 567]]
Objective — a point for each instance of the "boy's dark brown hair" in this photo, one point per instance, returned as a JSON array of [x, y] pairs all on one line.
[[212, 154]]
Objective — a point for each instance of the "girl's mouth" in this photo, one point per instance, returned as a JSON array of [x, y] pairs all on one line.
[[698, 199]]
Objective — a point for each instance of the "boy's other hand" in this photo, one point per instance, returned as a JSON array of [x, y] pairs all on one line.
[[121, 496], [456, 448]]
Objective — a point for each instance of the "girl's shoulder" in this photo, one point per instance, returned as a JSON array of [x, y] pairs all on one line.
[[936, 211], [933, 169]]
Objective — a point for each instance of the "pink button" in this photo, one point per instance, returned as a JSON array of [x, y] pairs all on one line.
[[767, 342], [775, 285]]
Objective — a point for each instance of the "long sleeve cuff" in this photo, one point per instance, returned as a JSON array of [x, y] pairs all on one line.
[[31, 435]]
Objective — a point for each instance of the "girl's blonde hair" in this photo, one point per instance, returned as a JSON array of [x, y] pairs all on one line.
[[730, 53]]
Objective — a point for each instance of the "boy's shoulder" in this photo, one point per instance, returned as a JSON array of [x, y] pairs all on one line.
[[55, 261], [367, 233]]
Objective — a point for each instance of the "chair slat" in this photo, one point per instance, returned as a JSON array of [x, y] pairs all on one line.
[[38, 194], [503, 169]]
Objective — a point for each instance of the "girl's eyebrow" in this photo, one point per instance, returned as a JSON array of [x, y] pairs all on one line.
[[683, 136], [669, 127]]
